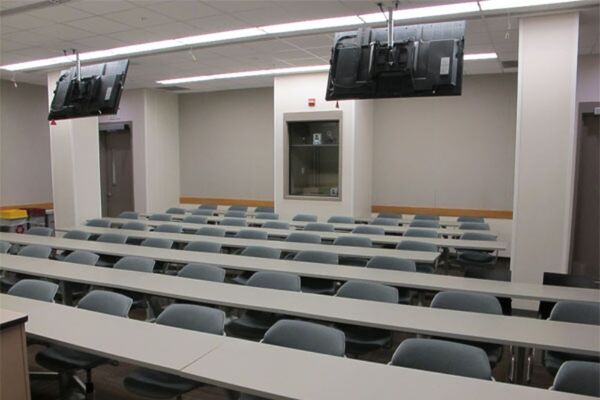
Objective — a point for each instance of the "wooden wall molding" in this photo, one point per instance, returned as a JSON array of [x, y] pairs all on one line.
[[449, 212], [45, 206], [225, 201]]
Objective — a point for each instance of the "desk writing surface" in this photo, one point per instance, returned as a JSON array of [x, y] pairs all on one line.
[[10, 318], [550, 335], [376, 239]]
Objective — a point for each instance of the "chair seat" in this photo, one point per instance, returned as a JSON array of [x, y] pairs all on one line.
[[493, 351], [251, 325], [361, 339], [477, 257], [63, 359], [157, 385], [318, 286], [552, 360], [242, 278]]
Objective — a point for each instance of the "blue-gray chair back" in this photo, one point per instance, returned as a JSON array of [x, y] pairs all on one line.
[[195, 219], [169, 228], [305, 218], [175, 210], [134, 226], [211, 231], [252, 234], [106, 302], [275, 280], [203, 212], [427, 217], [77, 235], [238, 208], [368, 291], [393, 263], [354, 241], [427, 233], [462, 301], [206, 247], [276, 225], [414, 245], [82, 257], [424, 223], [40, 231], [112, 238], [302, 237], [576, 312], [193, 317], [159, 243], [270, 216], [160, 217], [208, 206], [307, 336], [474, 226], [478, 236], [369, 230], [262, 252], [36, 251], [204, 272], [98, 223], [4, 247], [314, 256], [129, 215], [578, 377], [132, 263], [34, 289], [235, 214], [389, 215], [233, 222], [443, 357], [340, 219], [470, 219], [264, 209], [385, 221], [318, 227]]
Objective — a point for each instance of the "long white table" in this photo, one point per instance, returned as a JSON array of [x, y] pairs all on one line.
[[515, 331], [257, 368], [348, 251], [413, 280], [389, 240]]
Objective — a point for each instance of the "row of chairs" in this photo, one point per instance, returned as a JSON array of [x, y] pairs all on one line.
[[450, 357]]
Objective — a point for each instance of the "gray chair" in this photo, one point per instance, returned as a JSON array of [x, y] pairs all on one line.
[[233, 222], [98, 223], [413, 245], [211, 231], [340, 219], [4, 247], [40, 231], [203, 212], [204, 272], [270, 216], [369, 230], [474, 226], [302, 237], [129, 215], [36, 251], [176, 210], [238, 208], [138, 264], [160, 217], [134, 226], [305, 218], [443, 357], [206, 247], [477, 258], [264, 209], [395, 264], [385, 221], [354, 241], [34, 289], [361, 339], [389, 215], [494, 275], [252, 234], [169, 228], [159, 243], [316, 285], [77, 235], [318, 227], [427, 217], [253, 324], [307, 336], [470, 219], [425, 233], [276, 225], [255, 251], [195, 219], [472, 302], [77, 290], [577, 313], [208, 206], [423, 223], [68, 361], [161, 385], [107, 260], [578, 377], [235, 214]]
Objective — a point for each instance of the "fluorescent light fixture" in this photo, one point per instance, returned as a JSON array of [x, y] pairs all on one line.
[[424, 12], [246, 74], [480, 56], [503, 4], [222, 36], [313, 24]]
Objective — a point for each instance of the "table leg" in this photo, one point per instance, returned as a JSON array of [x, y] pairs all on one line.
[[67, 294]]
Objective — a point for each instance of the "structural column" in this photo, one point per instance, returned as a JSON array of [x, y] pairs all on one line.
[[544, 159], [75, 156]]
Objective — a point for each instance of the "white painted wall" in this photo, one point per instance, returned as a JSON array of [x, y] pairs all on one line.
[[25, 176], [131, 109], [363, 158], [544, 166], [226, 144]]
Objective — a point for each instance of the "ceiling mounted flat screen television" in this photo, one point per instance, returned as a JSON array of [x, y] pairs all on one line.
[[421, 60]]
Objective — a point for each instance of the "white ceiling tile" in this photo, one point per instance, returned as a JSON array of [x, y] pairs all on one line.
[[11, 45], [135, 36], [99, 25], [183, 10], [58, 13], [174, 30], [99, 7], [217, 23], [274, 15], [311, 41], [24, 21], [231, 6], [139, 17], [62, 32], [8, 4], [100, 42]]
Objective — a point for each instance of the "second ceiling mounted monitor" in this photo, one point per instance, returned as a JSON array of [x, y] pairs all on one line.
[[421, 60]]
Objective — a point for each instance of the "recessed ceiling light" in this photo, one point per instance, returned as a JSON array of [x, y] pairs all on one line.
[[480, 56]]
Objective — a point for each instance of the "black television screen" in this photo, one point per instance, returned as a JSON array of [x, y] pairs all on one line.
[[425, 60], [96, 92]]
